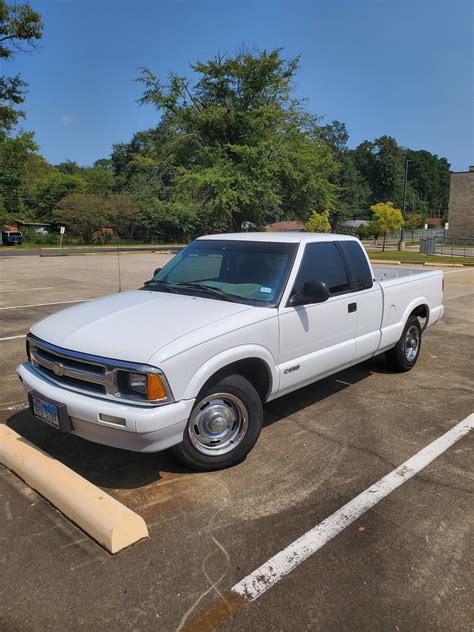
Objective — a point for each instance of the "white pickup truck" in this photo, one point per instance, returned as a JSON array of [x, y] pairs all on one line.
[[231, 322]]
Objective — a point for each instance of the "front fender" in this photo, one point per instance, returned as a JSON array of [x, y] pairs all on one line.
[[229, 356]]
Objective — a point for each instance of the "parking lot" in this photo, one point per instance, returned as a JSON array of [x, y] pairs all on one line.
[[405, 564]]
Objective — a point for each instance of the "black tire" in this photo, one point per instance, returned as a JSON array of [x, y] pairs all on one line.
[[223, 426], [405, 353]]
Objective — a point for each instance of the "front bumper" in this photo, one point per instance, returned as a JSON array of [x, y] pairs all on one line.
[[146, 429]]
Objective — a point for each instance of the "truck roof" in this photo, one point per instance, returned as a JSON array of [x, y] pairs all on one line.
[[290, 237]]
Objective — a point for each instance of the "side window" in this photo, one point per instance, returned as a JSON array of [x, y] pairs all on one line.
[[322, 262], [359, 267]]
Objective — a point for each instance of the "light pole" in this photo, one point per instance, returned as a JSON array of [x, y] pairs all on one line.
[[401, 243]]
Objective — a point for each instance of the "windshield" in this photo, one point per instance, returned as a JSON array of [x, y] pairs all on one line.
[[248, 272]]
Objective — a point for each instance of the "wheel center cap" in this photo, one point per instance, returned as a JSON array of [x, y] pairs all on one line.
[[216, 424]]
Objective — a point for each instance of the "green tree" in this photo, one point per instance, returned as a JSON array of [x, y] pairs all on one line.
[[84, 214], [20, 27], [127, 215], [387, 218], [362, 232], [412, 222], [99, 181], [50, 189], [381, 163], [15, 153], [234, 147], [318, 223]]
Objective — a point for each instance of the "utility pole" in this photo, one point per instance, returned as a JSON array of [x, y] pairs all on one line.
[[401, 243]]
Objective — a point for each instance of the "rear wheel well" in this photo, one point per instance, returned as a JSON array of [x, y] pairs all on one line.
[[255, 370], [422, 313]]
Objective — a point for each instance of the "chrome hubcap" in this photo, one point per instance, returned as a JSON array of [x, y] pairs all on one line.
[[412, 343], [218, 424]]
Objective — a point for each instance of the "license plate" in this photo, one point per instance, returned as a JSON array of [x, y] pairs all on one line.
[[52, 413]]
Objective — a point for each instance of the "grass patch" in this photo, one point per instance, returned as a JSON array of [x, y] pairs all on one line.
[[406, 255]]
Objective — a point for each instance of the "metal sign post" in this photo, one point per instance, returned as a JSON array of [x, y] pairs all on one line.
[[62, 230]]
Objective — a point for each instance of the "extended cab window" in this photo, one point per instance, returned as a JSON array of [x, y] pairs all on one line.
[[359, 267], [322, 262]]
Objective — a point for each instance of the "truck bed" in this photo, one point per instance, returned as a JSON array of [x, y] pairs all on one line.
[[386, 273]]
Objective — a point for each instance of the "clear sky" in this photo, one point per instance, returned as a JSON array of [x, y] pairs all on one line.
[[397, 67]]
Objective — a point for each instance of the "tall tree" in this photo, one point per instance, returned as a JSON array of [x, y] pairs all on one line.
[[386, 219], [237, 146], [20, 27]]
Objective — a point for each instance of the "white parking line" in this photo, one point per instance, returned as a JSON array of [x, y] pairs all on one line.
[[13, 337], [258, 582], [82, 300], [27, 289]]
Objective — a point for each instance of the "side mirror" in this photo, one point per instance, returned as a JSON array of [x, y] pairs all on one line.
[[156, 271], [313, 292]]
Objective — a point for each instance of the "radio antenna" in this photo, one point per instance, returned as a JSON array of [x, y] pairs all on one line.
[[119, 271]]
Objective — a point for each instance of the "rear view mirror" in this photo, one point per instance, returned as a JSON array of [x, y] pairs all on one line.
[[313, 292], [156, 271]]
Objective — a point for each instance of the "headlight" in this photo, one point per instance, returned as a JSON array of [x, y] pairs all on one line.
[[151, 386], [137, 383]]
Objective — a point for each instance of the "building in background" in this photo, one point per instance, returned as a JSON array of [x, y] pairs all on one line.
[[285, 227], [461, 204]]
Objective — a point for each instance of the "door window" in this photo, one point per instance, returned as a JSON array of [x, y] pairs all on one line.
[[322, 262]]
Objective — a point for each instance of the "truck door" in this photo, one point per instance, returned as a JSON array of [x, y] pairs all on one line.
[[317, 339]]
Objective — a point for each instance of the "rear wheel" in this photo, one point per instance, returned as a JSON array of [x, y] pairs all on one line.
[[404, 355], [223, 426]]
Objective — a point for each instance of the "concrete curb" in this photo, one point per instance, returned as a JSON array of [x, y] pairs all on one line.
[[395, 263], [433, 264], [110, 523]]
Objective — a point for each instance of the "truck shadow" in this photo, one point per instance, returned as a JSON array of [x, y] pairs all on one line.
[[116, 469]]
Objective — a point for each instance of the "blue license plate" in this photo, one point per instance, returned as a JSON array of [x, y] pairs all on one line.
[[45, 411]]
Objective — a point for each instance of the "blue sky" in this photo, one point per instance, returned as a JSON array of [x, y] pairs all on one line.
[[398, 67]]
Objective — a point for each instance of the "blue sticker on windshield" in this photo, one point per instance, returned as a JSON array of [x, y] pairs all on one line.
[[265, 290]]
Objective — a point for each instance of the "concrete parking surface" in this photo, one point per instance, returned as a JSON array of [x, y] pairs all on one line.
[[405, 564]]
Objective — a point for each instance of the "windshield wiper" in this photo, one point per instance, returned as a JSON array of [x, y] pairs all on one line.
[[214, 291], [162, 285]]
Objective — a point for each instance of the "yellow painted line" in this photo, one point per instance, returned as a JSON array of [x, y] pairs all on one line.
[[103, 518]]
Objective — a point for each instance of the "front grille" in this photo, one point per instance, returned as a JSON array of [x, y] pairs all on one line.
[[90, 374], [70, 369]]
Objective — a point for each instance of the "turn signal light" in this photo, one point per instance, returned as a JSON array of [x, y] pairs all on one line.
[[155, 389]]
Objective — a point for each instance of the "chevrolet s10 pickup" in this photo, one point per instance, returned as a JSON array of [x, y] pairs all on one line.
[[229, 323]]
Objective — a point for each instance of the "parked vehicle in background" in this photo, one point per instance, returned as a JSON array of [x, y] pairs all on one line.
[[11, 238], [231, 322]]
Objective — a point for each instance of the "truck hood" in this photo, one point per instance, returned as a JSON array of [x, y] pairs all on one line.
[[132, 326]]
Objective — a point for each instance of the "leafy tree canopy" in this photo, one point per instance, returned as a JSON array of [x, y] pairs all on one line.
[[318, 223], [387, 219], [236, 146]]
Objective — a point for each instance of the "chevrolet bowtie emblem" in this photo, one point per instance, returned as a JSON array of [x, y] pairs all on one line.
[[58, 369]]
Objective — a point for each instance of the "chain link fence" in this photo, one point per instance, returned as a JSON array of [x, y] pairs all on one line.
[[448, 246]]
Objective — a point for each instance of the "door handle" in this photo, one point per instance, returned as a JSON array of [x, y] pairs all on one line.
[[352, 307]]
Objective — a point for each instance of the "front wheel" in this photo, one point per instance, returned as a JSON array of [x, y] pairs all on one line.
[[404, 355], [223, 426]]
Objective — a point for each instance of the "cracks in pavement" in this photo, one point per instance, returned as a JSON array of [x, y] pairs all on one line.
[[213, 584]]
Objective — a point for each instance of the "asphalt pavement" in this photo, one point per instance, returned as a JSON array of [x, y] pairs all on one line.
[[405, 564]]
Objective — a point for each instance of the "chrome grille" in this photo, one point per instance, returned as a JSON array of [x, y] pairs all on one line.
[[64, 367], [89, 374]]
